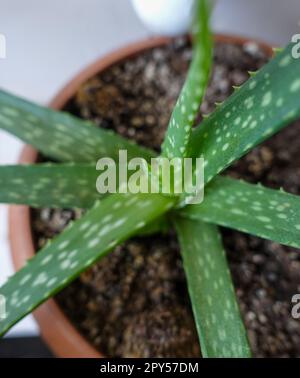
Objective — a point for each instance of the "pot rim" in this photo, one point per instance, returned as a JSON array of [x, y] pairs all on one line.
[[56, 329]]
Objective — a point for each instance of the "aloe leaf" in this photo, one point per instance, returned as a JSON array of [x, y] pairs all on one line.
[[261, 107], [216, 311], [53, 185], [159, 226], [84, 242], [187, 106], [59, 135], [58, 185], [267, 213]]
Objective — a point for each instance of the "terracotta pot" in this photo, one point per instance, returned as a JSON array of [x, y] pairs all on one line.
[[57, 331]]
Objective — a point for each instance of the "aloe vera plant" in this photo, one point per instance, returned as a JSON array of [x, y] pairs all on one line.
[[262, 106]]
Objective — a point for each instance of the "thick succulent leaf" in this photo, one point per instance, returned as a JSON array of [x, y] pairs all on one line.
[[267, 213], [57, 185], [59, 135], [262, 106], [84, 242], [159, 226], [53, 185], [186, 109], [220, 328]]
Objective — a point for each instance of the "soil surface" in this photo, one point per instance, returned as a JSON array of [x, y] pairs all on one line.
[[134, 303]]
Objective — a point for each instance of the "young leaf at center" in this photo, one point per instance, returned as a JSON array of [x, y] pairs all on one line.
[[184, 113]]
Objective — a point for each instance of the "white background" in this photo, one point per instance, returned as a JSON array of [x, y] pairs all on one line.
[[49, 41]]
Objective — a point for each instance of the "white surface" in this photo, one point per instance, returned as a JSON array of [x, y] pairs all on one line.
[[49, 41], [274, 21]]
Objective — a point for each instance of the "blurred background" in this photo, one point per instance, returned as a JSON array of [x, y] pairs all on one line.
[[49, 41]]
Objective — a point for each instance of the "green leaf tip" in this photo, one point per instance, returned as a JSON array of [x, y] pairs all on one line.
[[216, 311], [186, 109], [277, 50]]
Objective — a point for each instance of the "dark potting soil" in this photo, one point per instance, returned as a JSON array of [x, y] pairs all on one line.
[[134, 303]]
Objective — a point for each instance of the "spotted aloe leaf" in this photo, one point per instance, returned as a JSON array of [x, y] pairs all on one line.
[[57, 185], [84, 242], [261, 107], [53, 185], [189, 101], [268, 213], [59, 135], [159, 226], [216, 311]]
